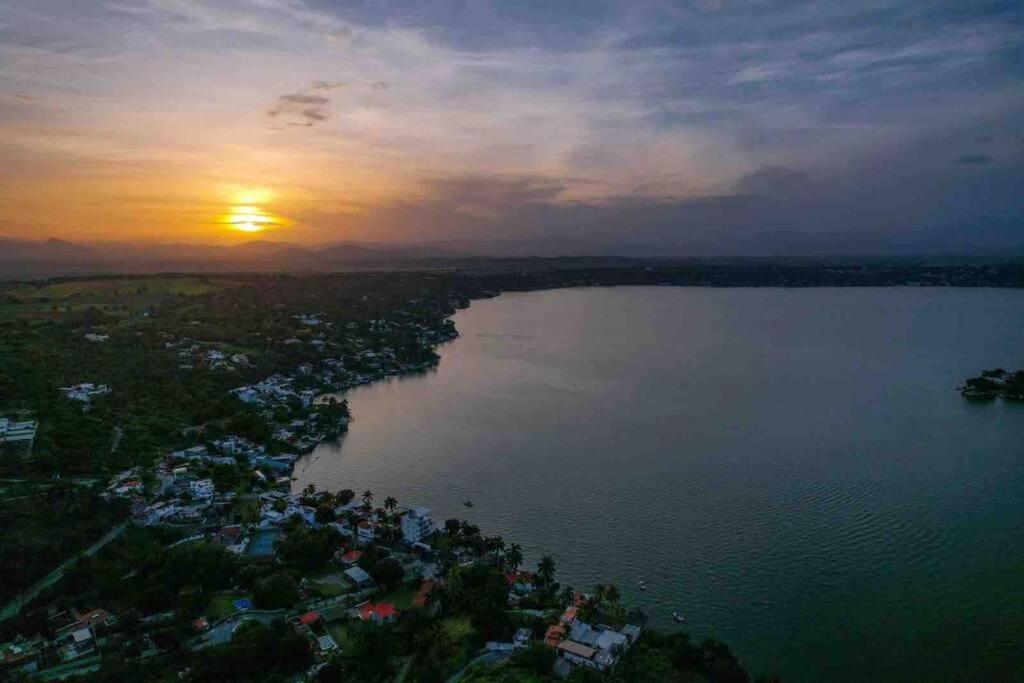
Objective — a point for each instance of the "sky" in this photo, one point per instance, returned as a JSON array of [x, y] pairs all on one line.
[[706, 127]]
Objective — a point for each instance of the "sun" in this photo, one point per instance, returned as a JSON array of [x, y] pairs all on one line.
[[250, 218]]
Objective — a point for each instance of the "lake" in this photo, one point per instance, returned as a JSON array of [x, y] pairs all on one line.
[[791, 469]]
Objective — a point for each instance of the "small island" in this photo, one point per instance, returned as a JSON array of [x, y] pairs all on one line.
[[992, 384]]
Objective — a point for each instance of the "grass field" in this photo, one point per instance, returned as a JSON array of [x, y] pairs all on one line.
[[223, 606], [116, 295], [401, 598]]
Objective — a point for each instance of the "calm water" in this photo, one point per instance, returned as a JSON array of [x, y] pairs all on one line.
[[791, 469]]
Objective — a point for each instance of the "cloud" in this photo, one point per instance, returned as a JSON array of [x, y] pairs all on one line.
[[301, 109], [324, 85], [974, 159], [647, 120]]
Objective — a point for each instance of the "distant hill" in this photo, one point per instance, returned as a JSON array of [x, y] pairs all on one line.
[[53, 248]]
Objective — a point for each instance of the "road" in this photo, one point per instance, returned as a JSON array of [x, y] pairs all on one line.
[[222, 632], [488, 658], [12, 607]]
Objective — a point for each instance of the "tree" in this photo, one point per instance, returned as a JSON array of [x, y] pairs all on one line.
[[546, 570], [390, 504], [514, 557], [495, 545], [538, 659], [481, 592], [368, 499], [307, 549], [344, 497], [611, 594], [276, 591], [388, 573], [452, 527], [324, 514]]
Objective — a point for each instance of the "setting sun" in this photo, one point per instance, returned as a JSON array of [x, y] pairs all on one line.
[[248, 218]]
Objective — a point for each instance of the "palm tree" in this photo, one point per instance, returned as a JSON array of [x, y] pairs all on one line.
[[390, 503], [368, 499], [546, 570], [514, 556], [611, 593], [496, 545], [599, 590]]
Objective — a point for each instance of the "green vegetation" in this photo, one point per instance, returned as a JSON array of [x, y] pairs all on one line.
[[31, 544]]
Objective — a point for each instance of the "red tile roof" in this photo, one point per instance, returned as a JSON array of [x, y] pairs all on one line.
[[386, 609], [309, 618], [426, 588], [382, 610]]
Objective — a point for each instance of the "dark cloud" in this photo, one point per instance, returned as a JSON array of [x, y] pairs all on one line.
[[326, 85], [301, 109], [974, 159]]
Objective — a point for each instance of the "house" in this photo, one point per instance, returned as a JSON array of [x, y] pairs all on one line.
[[85, 391], [247, 395], [554, 635], [359, 577], [522, 638], [351, 557], [416, 524], [379, 613], [597, 647], [365, 530], [201, 488], [21, 654], [127, 488], [326, 644], [520, 582], [18, 434], [309, 618]]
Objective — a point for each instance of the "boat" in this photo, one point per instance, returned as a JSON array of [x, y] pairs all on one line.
[[468, 503], [678, 617], [642, 584]]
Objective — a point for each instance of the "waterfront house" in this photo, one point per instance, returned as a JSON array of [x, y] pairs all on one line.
[[416, 524], [366, 530]]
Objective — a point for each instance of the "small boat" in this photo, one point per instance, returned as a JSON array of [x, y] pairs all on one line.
[[468, 503], [642, 584], [678, 617]]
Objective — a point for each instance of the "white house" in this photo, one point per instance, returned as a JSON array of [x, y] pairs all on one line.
[[416, 524], [201, 488], [18, 433]]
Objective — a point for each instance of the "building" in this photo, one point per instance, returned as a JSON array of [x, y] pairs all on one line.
[[85, 392], [201, 488], [597, 647], [359, 577], [19, 435], [379, 613], [365, 531], [416, 524], [522, 638]]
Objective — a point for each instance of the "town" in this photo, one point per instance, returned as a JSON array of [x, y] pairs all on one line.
[[151, 530]]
